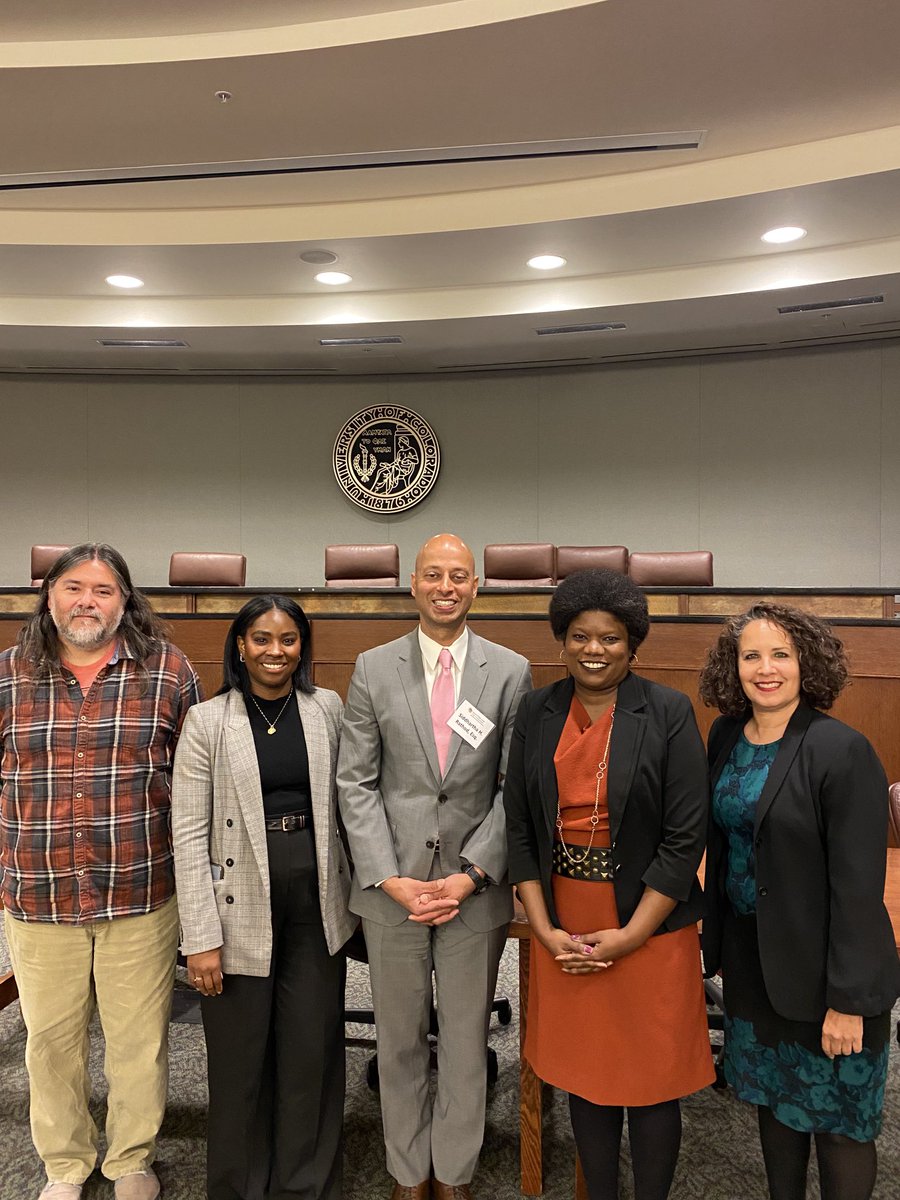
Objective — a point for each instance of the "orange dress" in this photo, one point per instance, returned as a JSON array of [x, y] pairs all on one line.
[[636, 1033]]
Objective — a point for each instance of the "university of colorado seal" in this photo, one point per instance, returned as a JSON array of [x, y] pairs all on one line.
[[386, 458]]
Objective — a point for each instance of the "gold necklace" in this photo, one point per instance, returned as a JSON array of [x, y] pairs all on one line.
[[271, 724], [595, 818]]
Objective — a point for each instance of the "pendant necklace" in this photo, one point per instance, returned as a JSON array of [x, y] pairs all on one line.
[[595, 815], [272, 724]]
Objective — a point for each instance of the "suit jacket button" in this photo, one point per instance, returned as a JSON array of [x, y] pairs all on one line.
[[229, 899], [229, 862], [229, 822], [443, 798], [764, 891], [430, 844]]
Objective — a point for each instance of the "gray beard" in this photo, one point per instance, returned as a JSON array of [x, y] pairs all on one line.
[[89, 637]]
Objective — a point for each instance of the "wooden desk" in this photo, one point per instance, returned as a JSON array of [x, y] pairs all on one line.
[[530, 1130]]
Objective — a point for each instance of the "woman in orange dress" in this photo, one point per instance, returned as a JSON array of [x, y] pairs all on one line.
[[606, 799]]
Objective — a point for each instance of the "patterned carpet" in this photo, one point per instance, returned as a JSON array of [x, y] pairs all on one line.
[[720, 1158]]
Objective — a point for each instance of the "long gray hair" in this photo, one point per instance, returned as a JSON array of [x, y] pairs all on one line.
[[140, 629]]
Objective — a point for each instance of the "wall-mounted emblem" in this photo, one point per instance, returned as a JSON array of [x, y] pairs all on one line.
[[386, 458]]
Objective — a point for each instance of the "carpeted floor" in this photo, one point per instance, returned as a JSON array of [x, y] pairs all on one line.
[[720, 1157]]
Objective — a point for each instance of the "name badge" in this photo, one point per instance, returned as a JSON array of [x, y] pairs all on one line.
[[471, 725]]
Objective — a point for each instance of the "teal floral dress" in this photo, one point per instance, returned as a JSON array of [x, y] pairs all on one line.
[[769, 1060]]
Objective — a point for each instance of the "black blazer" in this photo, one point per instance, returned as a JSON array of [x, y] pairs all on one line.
[[820, 845], [657, 792]]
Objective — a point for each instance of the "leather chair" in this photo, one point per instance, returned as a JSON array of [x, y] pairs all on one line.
[[520, 565], [894, 814], [42, 559], [570, 559], [207, 569], [670, 568], [362, 566]]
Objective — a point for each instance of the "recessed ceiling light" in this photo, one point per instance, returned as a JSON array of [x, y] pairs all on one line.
[[546, 262], [784, 233], [124, 281], [333, 277]]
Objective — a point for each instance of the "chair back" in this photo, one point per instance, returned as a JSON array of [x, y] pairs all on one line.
[[519, 564], [42, 559], [207, 569], [671, 568], [570, 559], [362, 565]]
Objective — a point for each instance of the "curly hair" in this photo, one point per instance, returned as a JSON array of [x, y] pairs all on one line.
[[140, 629], [823, 663], [600, 590]]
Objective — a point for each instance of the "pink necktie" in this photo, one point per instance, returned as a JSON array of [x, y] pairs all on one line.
[[443, 702]]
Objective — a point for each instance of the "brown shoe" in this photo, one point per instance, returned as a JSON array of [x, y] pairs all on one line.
[[418, 1191], [451, 1191]]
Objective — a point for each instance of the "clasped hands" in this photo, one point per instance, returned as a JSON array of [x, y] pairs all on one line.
[[587, 953], [431, 901]]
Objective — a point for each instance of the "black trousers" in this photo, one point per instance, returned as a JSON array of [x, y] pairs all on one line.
[[275, 1048]]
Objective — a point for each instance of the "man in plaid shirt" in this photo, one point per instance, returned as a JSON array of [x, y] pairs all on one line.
[[92, 698]]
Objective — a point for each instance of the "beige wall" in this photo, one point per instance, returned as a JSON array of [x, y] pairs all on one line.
[[786, 466]]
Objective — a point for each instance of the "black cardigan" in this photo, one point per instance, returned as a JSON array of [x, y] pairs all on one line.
[[820, 842], [657, 795]]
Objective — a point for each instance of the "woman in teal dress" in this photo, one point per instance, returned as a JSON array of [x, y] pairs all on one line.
[[795, 913]]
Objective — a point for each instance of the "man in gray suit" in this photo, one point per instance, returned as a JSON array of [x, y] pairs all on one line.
[[423, 751]]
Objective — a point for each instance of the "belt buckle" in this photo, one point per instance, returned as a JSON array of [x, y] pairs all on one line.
[[285, 827]]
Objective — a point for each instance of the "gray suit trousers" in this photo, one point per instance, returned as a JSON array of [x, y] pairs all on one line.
[[446, 1137]]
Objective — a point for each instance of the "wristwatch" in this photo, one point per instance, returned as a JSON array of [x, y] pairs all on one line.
[[481, 881]]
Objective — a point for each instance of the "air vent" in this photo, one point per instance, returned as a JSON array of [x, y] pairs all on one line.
[[515, 366], [601, 327], [640, 143], [37, 370], [258, 372], [143, 343], [361, 341], [823, 305]]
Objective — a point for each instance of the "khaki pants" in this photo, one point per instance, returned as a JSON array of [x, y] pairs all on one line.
[[126, 967]]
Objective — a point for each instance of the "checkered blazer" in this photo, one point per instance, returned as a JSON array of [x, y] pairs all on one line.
[[217, 814]]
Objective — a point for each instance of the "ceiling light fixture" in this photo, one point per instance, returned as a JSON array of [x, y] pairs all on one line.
[[124, 281], [333, 277], [546, 262], [784, 233]]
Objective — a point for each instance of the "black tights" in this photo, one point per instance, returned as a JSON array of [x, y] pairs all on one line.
[[847, 1168], [654, 1131]]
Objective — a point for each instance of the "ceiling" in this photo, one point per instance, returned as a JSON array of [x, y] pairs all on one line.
[[795, 108]]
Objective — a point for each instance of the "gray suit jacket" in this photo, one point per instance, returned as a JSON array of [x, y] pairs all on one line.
[[217, 814], [394, 803]]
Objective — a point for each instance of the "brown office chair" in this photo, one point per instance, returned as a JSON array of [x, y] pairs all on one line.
[[670, 568], [360, 565], [570, 559], [894, 814], [42, 559], [520, 564], [207, 569]]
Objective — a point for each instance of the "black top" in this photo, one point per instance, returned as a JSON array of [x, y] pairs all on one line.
[[282, 757]]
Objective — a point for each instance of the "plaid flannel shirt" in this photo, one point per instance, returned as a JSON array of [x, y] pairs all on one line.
[[84, 786]]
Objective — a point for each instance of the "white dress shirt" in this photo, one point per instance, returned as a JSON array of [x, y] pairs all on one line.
[[431, 651]]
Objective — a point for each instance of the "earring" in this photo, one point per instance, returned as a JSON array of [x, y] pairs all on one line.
[[241, 657], [561, 653], [634, 658]]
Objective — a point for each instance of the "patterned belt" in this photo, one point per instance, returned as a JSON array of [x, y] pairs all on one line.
[[597, 866], [288, 822]]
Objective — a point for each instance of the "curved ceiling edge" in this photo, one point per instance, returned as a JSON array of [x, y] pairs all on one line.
[[312, 35]]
